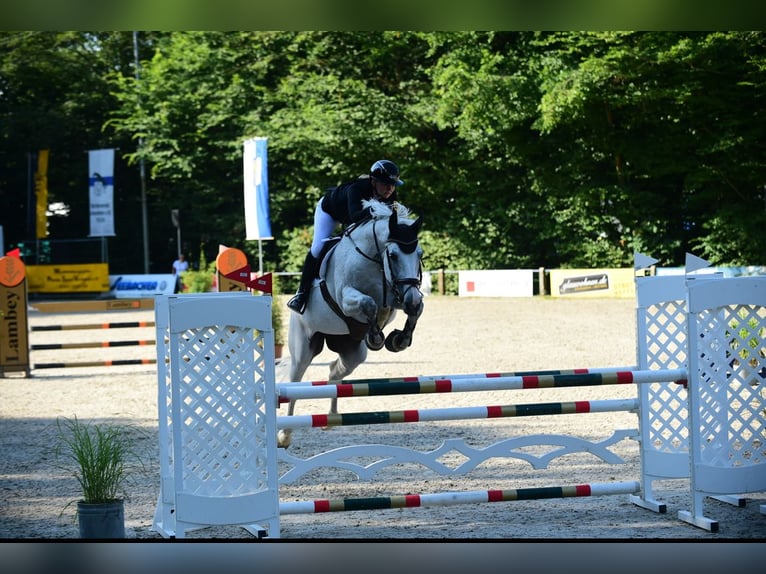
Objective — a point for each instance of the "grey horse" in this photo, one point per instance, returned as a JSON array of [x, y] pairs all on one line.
[[372, 272]]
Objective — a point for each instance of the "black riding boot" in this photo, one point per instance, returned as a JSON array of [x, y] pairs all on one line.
[[298, 302]]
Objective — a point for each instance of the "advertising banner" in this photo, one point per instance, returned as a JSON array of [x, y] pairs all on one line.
[[256, 178], [101, 189], [14, 343], [592, 282], [85, 278], [41, 191], [141, 286], [496, 283]]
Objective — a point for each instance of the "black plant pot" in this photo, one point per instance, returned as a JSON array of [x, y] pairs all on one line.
[[101, 520]]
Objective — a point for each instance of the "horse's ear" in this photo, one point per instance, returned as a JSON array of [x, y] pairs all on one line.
[[416, 224], [393, 221]]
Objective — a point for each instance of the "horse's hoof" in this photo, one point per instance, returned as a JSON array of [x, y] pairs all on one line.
[[375, 342], [284, 439], [396, 342]]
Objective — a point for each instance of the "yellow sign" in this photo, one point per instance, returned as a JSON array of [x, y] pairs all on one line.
[[41, 189], [14, 347], [593, 283], [85, 278]]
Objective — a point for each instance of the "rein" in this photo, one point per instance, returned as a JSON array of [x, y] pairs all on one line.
[[353, 325], [377, 259], [393, 283]]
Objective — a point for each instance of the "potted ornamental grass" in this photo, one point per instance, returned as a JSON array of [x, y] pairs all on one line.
[[98, 456]]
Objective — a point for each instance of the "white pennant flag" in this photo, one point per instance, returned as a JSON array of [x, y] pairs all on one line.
[[641, 261], [694, 263]]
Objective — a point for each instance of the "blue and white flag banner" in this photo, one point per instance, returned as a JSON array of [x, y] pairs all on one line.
[[101, 185], [256, 177]]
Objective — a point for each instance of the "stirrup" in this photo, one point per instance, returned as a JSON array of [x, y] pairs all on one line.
[[297, 303]]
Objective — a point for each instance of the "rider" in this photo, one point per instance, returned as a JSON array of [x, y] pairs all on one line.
[[343, 205]]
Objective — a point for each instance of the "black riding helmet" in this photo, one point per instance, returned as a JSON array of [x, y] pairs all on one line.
[[386, 171]]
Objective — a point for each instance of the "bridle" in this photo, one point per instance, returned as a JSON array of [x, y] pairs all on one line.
[[399, 286]]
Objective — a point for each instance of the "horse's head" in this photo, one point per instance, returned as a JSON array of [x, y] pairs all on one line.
[[402, 261]]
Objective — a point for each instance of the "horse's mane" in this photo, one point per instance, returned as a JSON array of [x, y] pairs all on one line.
[[380, 210]]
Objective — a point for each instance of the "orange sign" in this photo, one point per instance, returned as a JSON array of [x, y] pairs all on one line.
[[234, 273], [230, 260], [233, 270], [12, 271]]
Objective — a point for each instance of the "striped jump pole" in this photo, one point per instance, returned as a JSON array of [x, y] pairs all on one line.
[[454, 498], [114, 363], [115, 325], [92, 345], [489, 375], [455, 413], [291, 391]]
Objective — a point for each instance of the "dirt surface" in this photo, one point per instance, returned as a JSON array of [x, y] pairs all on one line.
[[455, 336]]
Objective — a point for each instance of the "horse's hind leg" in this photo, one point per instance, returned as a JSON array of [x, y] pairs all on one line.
[[300, 359]]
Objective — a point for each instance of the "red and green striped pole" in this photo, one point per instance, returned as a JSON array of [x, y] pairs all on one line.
[[454, 498], [383, 387], [455, 413]]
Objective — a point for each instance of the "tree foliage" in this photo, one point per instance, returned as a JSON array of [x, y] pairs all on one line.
[[519, 149]]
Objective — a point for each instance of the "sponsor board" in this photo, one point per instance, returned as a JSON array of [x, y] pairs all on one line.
[[592, 282], [141, 286], [14, 345], [95, 278], [496, 283], [85, 278]]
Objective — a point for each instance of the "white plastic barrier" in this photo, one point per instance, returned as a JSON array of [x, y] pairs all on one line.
[[216, 402], [727, 395]]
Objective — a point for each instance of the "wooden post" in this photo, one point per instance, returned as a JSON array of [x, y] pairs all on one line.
[[541, 281]]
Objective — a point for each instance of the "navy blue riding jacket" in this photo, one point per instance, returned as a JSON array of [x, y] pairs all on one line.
[[344, 203]]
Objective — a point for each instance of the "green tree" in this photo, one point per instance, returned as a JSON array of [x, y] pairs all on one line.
[[54, 95], [519, 149], [665, 130]]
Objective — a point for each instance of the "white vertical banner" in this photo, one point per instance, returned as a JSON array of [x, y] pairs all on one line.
[[101, 185], [256, 178]]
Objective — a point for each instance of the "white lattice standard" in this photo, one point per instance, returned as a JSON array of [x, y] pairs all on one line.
[[216, 399], [727, 396], [661, 344]]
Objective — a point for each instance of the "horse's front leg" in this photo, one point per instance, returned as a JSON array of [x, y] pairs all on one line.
[[398, 340], [358, 305], [363, 308]]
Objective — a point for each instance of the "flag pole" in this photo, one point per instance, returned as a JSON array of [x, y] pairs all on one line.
[[142, 170], [260, 257]]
